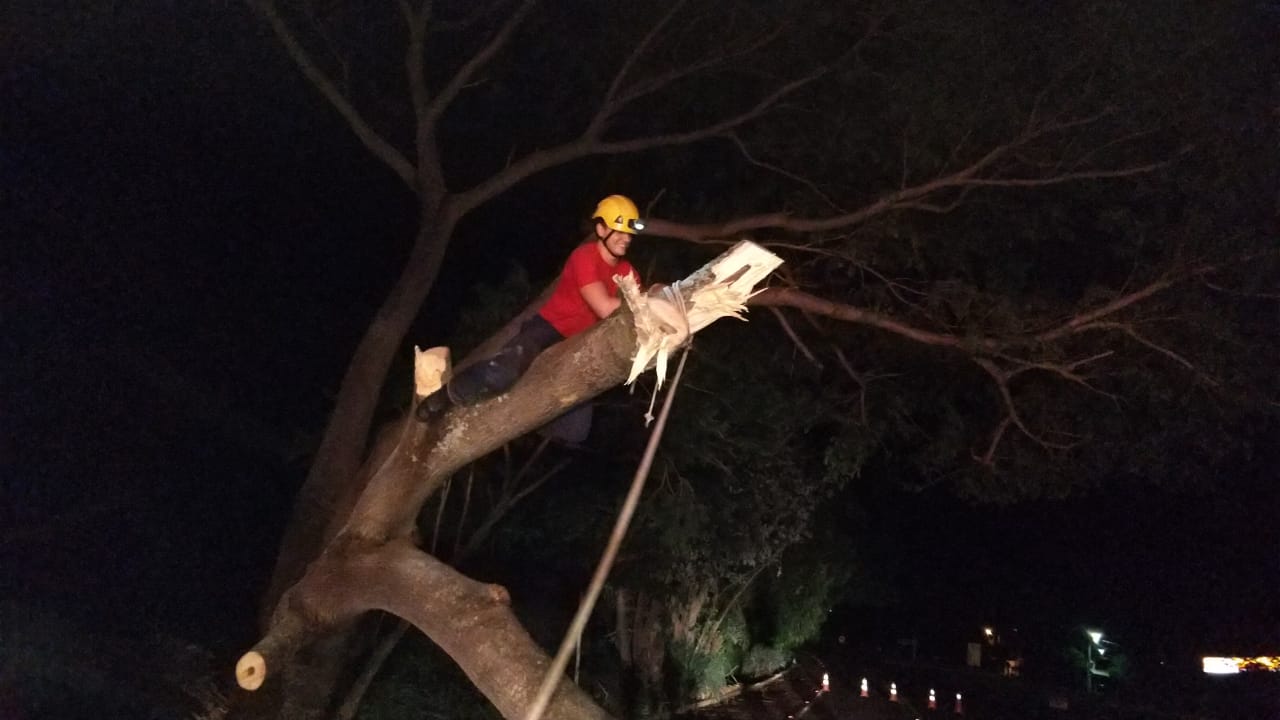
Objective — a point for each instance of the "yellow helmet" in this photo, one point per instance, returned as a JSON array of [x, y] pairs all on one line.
[[619, 213]]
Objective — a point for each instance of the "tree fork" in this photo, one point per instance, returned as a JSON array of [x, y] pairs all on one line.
[[471, 621]]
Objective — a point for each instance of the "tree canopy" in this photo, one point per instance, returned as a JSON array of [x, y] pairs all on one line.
[[1030, 250]]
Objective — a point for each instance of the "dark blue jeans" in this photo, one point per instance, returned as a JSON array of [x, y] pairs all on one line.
[[500, 371]]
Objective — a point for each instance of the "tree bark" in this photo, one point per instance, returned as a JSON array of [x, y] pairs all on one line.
[[471, 621]]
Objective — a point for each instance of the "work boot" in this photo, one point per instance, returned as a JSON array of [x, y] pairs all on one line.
[[433, 407]]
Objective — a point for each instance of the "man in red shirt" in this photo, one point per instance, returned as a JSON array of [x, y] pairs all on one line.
[[584, 294]]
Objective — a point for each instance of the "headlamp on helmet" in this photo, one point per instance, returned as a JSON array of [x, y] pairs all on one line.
[[617, 212]]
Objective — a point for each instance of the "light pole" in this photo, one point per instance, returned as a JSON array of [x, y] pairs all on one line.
[[1095, 638]]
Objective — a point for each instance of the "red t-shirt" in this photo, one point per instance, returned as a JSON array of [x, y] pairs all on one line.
[[566, 309]]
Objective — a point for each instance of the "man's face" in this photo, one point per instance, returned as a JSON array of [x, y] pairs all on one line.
[[615, 242]]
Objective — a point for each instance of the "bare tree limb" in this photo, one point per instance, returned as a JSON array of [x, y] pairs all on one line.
[[778, 170], [502, 509], [912, 197], [762, 106], [476, 12], [374, 142], [791, 333], [989, 457], [585, 145], [1129, 330], [415, 64], [355, 695], [460, 79], [1002, 385], [858, 378], [609, 105], [655, 83], [1066, 371]]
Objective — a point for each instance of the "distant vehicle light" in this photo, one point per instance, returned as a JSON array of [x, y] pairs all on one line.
[[1232, 665]]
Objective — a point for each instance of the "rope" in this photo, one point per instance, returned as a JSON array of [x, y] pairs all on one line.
[[554, 674]]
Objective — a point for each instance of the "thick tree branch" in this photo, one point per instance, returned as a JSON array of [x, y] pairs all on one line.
[[791, 297], [470, 621], [565, 374], [374, 142], [1084, 321]]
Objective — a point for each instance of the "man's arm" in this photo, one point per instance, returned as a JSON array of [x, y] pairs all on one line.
[[598, 298]]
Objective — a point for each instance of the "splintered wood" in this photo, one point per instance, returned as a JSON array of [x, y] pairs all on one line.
[[429, 369], [664, 320]]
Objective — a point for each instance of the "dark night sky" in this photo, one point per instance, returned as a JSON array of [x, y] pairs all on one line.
[[192, 245]]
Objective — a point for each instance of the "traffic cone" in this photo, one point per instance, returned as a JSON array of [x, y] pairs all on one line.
[[959, 705], [826, 682], [933, 700], [862, 689], [893, 692]]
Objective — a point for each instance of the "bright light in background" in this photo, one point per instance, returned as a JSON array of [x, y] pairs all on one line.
[[1232, 665], [1221, 666], [1096, 636], [988, 631]]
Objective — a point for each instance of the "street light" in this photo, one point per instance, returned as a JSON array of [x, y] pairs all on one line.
[[1095, 637]]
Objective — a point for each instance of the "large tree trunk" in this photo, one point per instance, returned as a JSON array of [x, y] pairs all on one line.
[[329, 487]]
